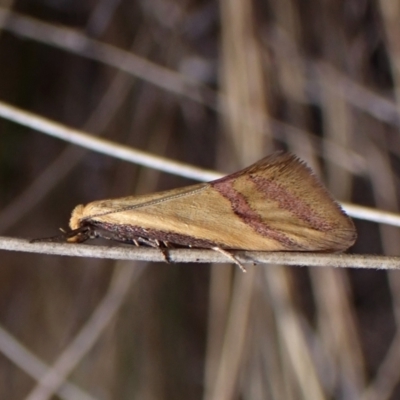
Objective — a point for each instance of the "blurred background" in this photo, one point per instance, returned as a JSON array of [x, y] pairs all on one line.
[[219, 85]]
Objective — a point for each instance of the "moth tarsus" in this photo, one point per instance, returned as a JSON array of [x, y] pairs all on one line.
[[165, 253], [231, 257], [276, 204]]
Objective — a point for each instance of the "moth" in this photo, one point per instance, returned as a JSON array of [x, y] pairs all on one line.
[[276, 204]]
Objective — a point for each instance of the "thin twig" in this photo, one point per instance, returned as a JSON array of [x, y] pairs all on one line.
[[76, 42], [372, 214], [103, 146], [202, 256]]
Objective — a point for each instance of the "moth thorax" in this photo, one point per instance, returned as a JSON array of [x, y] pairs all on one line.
[[76, 216]]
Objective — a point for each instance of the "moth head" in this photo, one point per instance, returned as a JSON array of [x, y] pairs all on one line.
[[76, 217], [80, 235], [81, 229]]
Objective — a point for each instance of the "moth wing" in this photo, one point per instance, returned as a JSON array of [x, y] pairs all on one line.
[[125, 205], [275, 204], [280, 192]]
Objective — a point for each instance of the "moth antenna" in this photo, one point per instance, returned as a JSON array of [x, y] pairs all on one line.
[[57, 238], [65, 235], [231, 257], [47, 239]]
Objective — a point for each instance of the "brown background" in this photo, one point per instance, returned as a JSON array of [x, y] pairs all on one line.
[[316, 77]]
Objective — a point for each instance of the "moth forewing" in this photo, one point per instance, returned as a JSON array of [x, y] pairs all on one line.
[[275, 204], [281, 197], [118, 209]]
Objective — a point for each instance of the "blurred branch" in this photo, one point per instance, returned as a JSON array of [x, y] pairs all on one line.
[[357, 95], [103, 146], [34, 367], [66, 362], [202, 256], [146, 159], [169, 80], [372, 214], [78, 43]]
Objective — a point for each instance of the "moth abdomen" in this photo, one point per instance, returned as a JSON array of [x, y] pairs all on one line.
[[126, 233]]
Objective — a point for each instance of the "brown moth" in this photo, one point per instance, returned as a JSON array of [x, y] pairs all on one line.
[[276, 204]]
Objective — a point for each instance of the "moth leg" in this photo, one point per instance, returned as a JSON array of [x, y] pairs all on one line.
[[231, 257], [165, 253], [156, 244], [147, 242], [164, 247]]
